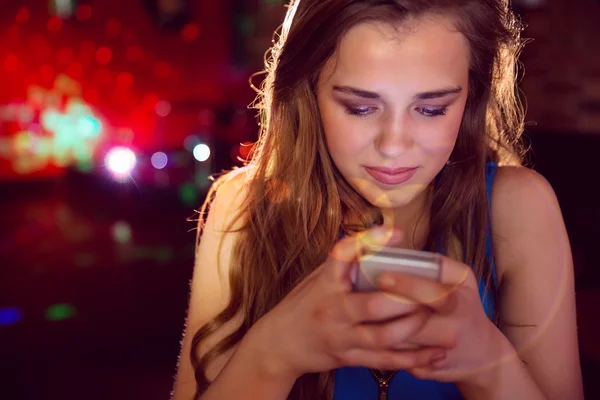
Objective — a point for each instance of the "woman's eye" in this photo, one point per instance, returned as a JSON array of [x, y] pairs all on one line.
[[432, 112], [359, 111]]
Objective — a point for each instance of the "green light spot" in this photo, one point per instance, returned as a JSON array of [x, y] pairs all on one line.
[[121, 232], [89, 126], [60, 312], [188, 194], [84, 165]]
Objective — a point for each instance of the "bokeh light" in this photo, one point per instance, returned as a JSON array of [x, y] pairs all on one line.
[[201, 152], [112, 27], [190, 32], [162, 69], [65, 56], [83, 12], [75, 70], [246, 150], [120, 160], [190, 142], [11, 62], [60, 312], [134, 53], [55, 24], [162, 108], [10, 316], [159, 160], [89, 126], [188, 194], [103, 55], [121, 232], [124, 80], [22, 15]]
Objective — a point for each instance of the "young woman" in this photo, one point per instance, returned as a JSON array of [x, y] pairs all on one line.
[[384, 122]]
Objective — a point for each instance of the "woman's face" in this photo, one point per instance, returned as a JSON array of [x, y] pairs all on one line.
[[391, 102]]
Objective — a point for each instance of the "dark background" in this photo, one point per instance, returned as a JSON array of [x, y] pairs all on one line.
[[94, 271]]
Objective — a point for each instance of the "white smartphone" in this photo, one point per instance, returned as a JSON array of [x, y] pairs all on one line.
[[377, 260]]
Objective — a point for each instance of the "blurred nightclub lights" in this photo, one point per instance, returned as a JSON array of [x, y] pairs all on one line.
[[22, 15], [203, 181], [121, 232], [190, 32], [113, 27], [162, 108], [159, 160], [75, 70], [11, 62], [150, 100], [201, 152], [162, 69], [188, 194], [125, 135], [124, 80], [190, 142], [120, 160], [246, 150], [103, 55], [206, 117], [134, 53], [10, 316], [83, 12], [55, 24], [63, 8], [161, 178], [60, 312], [65, 56], [68, 130]]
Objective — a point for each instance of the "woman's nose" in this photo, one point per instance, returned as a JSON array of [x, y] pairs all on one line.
[[395, 137]]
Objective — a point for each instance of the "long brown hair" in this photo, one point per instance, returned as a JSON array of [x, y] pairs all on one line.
[[297, 201]]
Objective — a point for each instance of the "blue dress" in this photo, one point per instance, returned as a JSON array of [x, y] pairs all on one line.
[[357, 383]]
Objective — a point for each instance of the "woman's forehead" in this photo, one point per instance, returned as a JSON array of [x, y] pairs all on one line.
[[424, 49]]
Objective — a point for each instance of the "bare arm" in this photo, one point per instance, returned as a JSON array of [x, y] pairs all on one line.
[[537, 290], [209, 295]]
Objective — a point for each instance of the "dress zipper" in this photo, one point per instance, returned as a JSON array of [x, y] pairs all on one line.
[[383, 380]]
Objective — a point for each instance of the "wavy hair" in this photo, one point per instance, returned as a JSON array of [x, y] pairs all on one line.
[[298, 202]]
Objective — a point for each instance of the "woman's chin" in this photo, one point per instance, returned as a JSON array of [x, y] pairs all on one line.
[[388, 197]]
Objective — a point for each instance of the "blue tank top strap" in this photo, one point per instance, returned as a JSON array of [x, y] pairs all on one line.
[[487, 299]]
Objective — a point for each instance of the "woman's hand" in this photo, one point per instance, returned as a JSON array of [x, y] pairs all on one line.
[[322, 325], [458, 323]]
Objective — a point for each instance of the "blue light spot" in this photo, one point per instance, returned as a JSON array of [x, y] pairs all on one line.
[[10, 316]]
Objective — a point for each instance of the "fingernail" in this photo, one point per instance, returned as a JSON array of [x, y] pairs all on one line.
[[387, 281]]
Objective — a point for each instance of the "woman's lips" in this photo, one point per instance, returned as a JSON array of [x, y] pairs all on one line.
[[391, 176]]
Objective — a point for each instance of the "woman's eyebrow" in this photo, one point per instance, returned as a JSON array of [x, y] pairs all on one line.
[[434, 94]]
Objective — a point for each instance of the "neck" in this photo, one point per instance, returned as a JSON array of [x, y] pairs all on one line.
[[412, 219]]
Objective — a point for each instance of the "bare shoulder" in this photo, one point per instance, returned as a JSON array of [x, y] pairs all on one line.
[[226, 197], [521, 185], [524, 211], [210, 288], [535, 271]]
